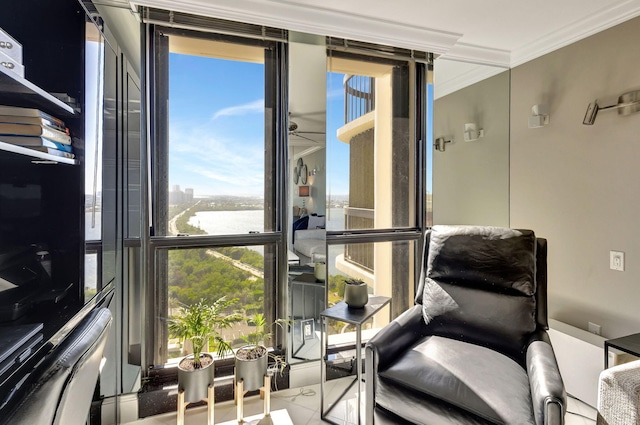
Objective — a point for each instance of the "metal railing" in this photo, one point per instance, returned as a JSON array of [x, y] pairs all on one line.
[[359, 96], [359, 254]]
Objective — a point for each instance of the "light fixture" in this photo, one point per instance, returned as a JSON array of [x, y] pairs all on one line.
[[439, 144], [304, 191], [539, 115], [471, 132], [628, 103]]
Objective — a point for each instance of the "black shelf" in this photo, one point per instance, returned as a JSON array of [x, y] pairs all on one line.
[[17, 91], [35, 157]]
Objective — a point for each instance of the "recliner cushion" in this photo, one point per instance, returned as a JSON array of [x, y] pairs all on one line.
[[500, 321], [473, 378], [485, 257], [480, 285]]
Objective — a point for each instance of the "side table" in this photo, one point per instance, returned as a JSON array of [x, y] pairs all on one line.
[[629, 344], [306, 302], [341, 312]]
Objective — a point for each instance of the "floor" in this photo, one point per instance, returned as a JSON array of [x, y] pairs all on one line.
[[301, 406]]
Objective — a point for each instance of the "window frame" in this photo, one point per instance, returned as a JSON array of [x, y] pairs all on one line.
[[275, 234]]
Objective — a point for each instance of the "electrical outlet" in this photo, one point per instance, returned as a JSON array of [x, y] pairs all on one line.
[[616, 260], [594, 329]]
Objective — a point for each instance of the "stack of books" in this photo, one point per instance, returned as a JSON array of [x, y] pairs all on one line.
[[36, 130]]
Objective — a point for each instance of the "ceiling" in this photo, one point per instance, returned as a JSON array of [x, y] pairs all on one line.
[[498, 32]]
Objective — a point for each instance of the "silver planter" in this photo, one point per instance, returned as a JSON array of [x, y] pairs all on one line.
[[251, 372], [195, 382], [356, 295]]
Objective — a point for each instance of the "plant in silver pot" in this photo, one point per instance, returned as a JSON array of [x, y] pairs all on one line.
[[356, 293], [200, 324], [252, 359]]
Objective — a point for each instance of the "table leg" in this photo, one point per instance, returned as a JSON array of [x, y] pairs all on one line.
[[359, 368], [210, 403], [239, 401], [267, 395], [181, 407]]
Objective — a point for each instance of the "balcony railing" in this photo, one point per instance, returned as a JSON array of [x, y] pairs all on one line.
[[359, 254], [359, 96]]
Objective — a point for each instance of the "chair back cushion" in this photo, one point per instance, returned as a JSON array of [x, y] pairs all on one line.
[[480, 286]]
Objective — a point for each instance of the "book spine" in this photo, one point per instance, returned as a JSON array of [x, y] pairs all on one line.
[[57, 145], [55, 135]]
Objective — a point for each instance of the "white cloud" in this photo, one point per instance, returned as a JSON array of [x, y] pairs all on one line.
[[214, 164], [254, 107]]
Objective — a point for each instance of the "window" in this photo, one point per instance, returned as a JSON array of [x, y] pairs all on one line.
[[216, 229]]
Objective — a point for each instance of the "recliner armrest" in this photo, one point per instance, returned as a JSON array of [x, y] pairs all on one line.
[[385, 346], [547, 389], [397, 336]]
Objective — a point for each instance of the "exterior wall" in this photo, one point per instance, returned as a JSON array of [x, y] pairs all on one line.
[[471, 179], [578, 185]]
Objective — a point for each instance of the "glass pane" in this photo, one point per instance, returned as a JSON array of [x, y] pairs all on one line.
[[386, 268], [371, 153], [216, 137], [94, 70], [90, 275], [237, 273]]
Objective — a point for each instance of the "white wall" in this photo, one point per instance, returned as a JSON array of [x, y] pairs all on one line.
[[471, 179], [577, 185]]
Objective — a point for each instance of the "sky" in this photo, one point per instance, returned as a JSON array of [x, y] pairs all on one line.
[[216, 127]]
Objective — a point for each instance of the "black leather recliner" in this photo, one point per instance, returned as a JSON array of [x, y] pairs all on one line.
[[474, 348]]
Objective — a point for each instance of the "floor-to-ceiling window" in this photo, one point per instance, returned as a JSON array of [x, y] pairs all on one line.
[[215, 185]]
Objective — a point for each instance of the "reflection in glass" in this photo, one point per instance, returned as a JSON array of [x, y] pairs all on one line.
[[471, 179], [90, 275], [94, 72], [370, 153]]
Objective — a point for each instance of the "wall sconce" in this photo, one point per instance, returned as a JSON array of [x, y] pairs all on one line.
[[539, 116], [471, 132], [439, 144], [628, 103], [304, 191]]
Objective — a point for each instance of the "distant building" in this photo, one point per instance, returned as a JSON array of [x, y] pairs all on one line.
[[176, 196]]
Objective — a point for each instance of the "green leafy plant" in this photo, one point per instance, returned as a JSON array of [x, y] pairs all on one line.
[[200, 323], [255, 340]]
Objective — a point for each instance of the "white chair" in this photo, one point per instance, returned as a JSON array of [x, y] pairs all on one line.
[[619, 395]]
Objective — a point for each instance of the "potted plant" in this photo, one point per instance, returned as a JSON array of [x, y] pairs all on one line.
[[252, 359], [200, 324], [356, 293]]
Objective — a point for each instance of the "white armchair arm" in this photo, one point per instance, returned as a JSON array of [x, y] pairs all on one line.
[[619, 395]]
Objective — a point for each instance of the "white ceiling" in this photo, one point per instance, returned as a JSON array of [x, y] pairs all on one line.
[[499, 32]]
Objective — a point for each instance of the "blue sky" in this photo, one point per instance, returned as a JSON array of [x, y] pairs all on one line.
[[216, 127]]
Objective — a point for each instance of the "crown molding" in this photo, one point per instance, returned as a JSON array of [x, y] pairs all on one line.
[[601, 20], [315, 20], [451, 83], [464, 52]]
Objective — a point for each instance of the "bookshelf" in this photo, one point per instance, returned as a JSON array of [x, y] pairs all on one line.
[[22, 92], [34, 156], [42, 195]]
